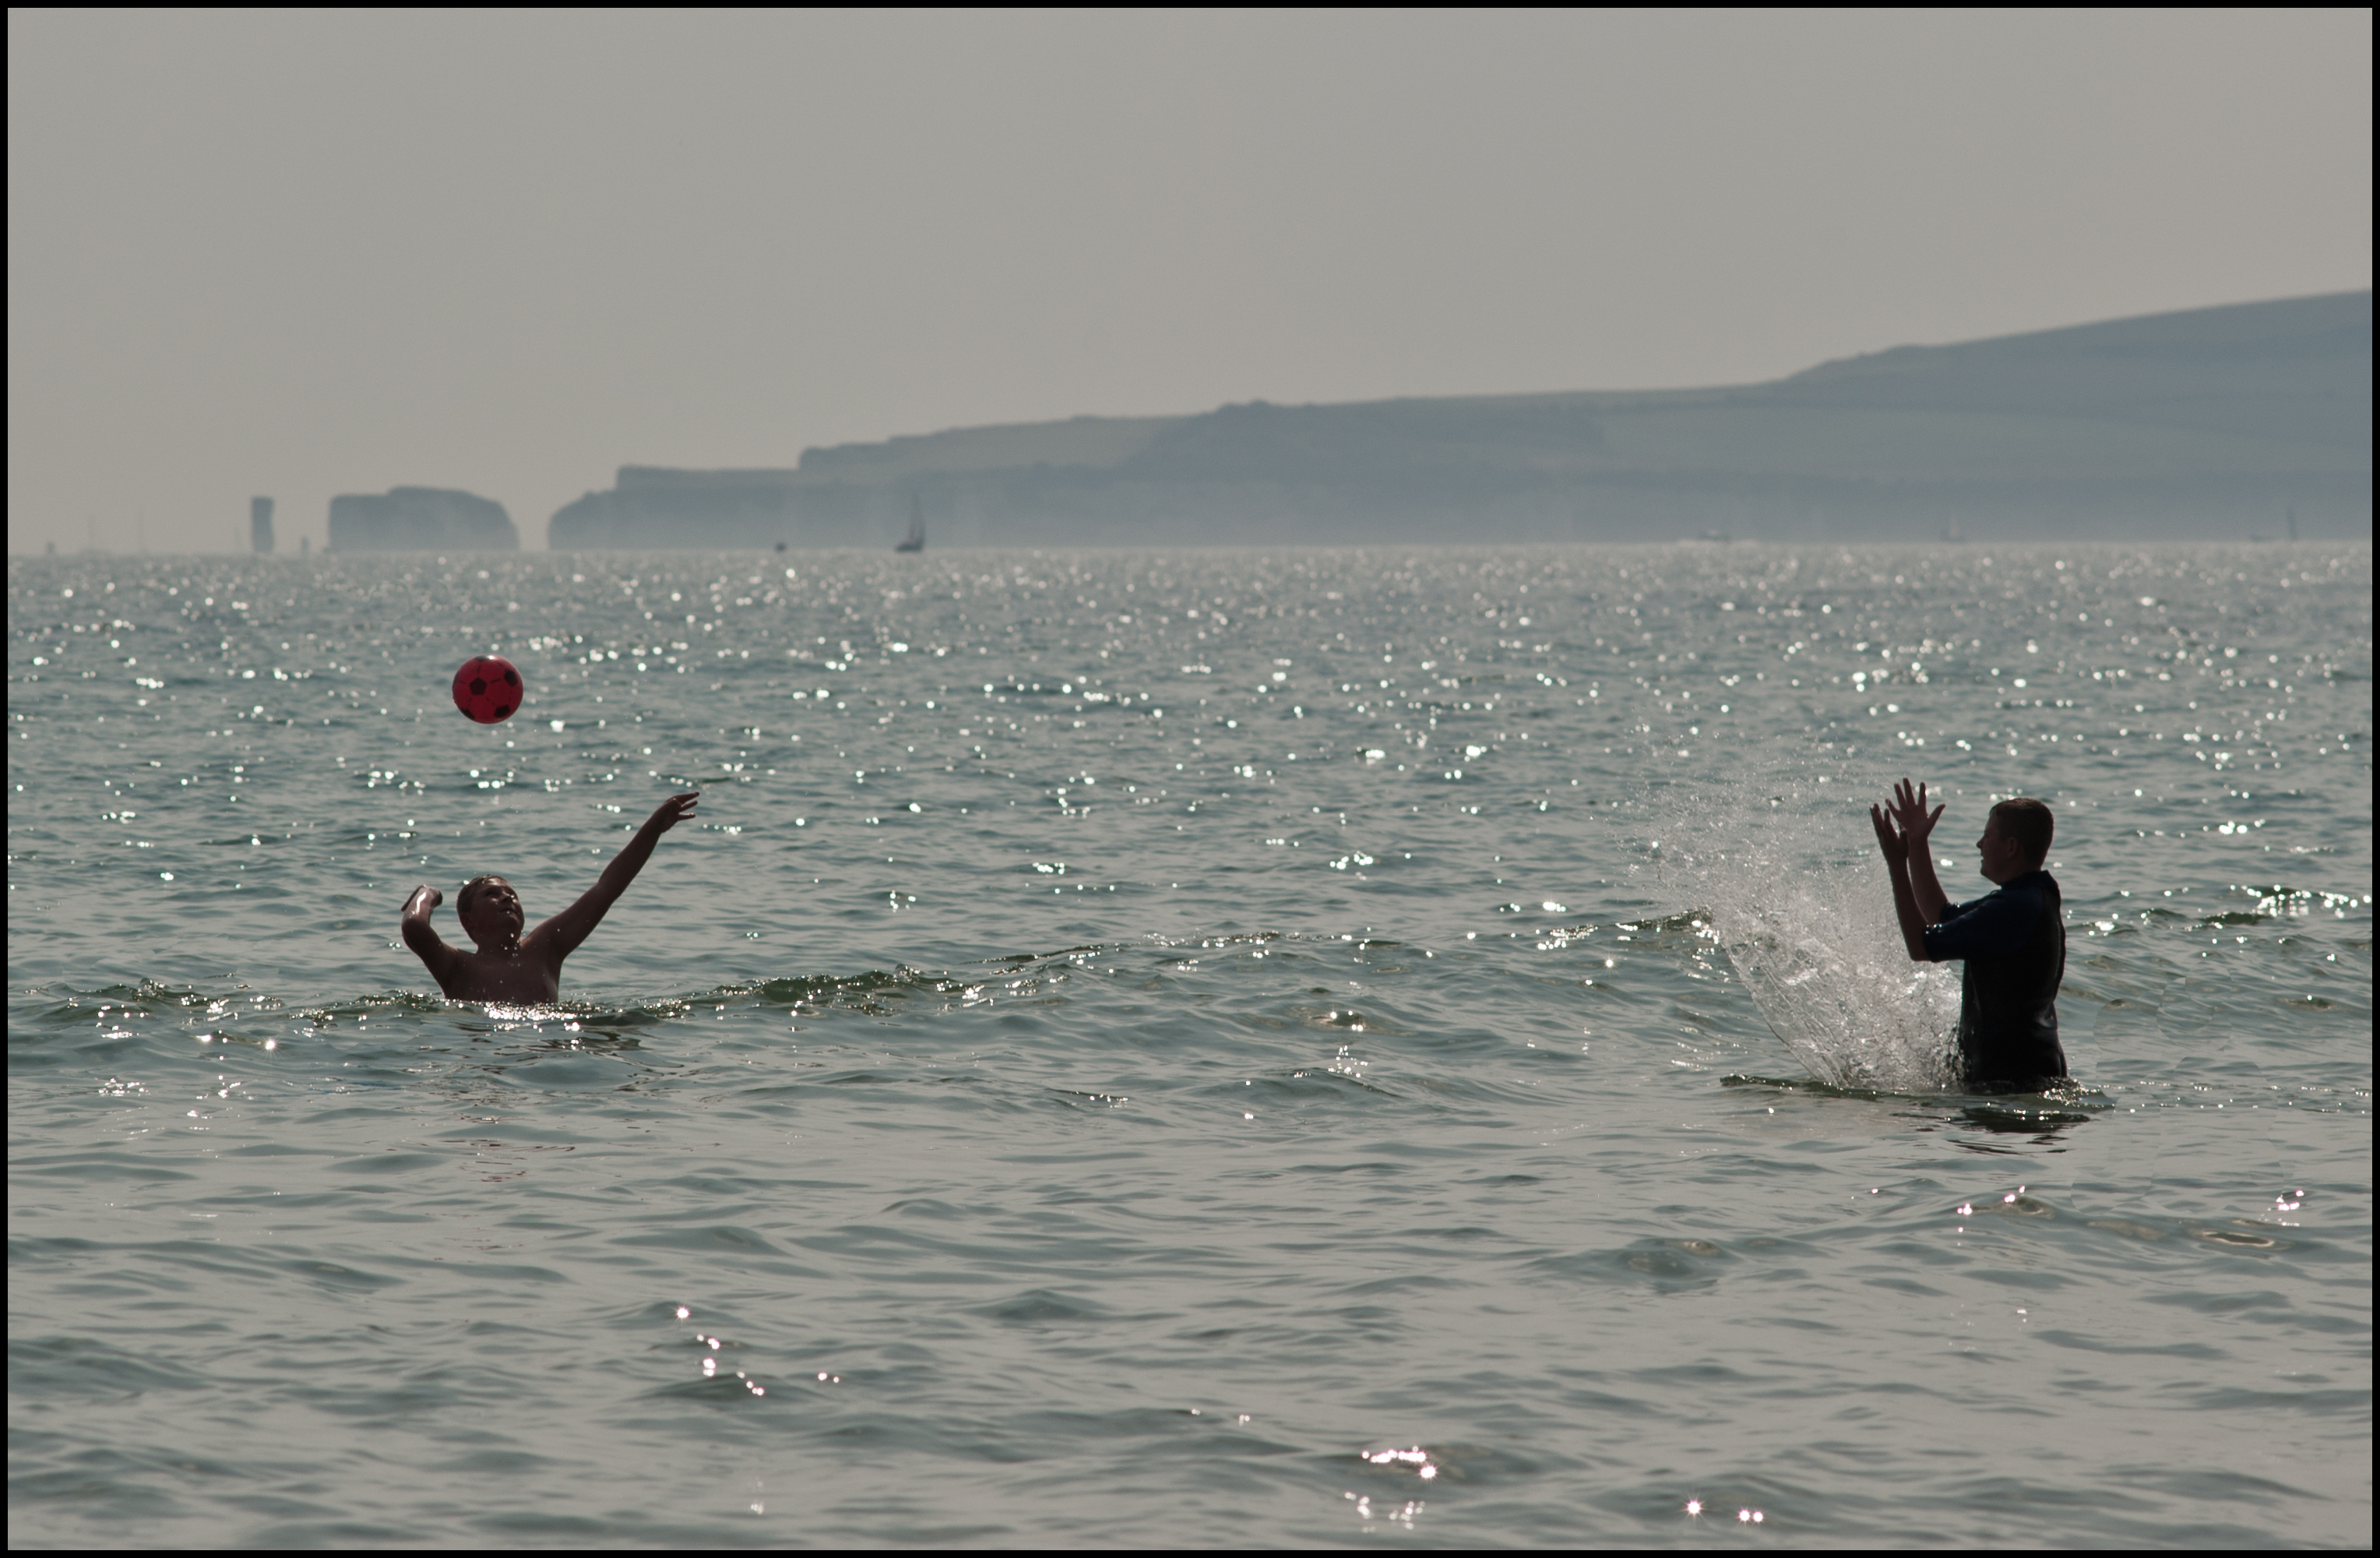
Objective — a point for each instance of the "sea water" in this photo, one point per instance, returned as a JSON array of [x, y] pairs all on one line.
[[1198, 1047]]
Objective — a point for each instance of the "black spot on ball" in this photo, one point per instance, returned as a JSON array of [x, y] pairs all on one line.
[[478, 686], [502, 710], [511, 678]]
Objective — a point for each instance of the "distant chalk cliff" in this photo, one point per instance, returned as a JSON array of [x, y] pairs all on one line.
[[2229, 422], [420, 519]]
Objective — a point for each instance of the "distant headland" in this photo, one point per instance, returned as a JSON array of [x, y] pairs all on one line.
[[414, 519], [2225, 422]]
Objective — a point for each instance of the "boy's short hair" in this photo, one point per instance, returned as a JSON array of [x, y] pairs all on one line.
[[463, 900], [2028, 824]]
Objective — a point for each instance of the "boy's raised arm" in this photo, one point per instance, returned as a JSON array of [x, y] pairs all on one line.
[[425, 942], [563, 933], [1908, 808], [1895, 849]]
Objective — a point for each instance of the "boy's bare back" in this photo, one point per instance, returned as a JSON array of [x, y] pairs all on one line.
[[504, 965]]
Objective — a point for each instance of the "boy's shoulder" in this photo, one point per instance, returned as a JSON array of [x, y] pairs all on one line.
[[2037, 884]]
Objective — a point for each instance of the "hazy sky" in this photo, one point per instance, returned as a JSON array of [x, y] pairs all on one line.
[[301, 254]]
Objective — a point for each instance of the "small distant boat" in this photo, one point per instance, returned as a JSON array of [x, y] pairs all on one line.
[[1951, 532], [916, 539]]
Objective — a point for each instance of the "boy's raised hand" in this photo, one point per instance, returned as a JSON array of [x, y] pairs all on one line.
[[1888, 839], [1909, 810], [670, 812]]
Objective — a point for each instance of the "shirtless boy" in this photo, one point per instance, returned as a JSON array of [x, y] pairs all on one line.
[[2013, 941], [509, 965]]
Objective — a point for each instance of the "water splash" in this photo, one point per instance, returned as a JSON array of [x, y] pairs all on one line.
[[1806, 917]]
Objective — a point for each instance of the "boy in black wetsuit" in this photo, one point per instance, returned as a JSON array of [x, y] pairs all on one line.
[[2013, 942]]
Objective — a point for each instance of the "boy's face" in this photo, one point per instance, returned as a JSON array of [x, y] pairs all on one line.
[[494, 915], [2001, 861]]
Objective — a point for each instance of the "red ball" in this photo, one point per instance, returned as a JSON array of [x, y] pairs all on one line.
[[488, 688]]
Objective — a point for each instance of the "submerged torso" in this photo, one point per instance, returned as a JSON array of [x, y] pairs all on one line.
[[527, 975]]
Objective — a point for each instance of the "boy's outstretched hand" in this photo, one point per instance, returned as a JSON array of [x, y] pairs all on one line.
[[1888, 838], [670, 812], [1909, 809]]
